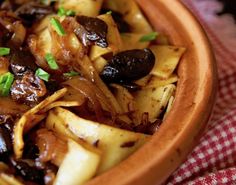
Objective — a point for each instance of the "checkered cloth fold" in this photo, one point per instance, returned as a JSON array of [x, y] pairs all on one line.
[[213, 161]]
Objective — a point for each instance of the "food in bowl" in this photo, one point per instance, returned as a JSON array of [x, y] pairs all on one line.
[[83, 85]]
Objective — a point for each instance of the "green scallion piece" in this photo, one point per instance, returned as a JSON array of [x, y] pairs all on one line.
[[149, 37], [6, 81], [109, 12], [70, 13], [61, 11], [51, 61], [4, 51], [57, 27], [71, 74], [42, 74]]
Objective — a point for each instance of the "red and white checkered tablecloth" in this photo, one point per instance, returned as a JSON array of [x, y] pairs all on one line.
[[213, 161]]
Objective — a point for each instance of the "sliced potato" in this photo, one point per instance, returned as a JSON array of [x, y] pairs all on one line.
[[143, 81], [78, 166], [167, 59], [116, 144], [99, 64], [82, 7], [132, 41], [153, 100], [124, 97], [131, 13], [158, 81]]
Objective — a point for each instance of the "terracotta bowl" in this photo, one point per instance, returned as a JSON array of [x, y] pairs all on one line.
[[196, 90]]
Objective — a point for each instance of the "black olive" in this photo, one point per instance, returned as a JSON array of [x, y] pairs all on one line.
[[28, 172], [96, 30], [128, 66], [122, 25], [22, 61], [32, 11], [5, 142]]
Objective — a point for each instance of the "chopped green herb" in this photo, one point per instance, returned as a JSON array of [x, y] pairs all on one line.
[[51, 61], [70, 13], [4, 51], [71, 73], [57, 27], [6, 81], [63, 12], [42, 74], [109, 12], [149, 37]]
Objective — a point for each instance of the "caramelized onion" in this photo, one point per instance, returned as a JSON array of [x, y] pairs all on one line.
[[51, 147], [90, 91]]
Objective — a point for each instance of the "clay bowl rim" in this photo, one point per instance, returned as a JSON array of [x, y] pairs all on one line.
[[195, 97]]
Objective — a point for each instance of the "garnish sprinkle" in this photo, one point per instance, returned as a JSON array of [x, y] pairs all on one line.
[[4, 51], [42, 74], [51, 61], [6, 81], [149, 37], [57, 27]]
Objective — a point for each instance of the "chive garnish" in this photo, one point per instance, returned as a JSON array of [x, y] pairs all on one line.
[[70, 13], [63, 12], [109, 12], [71, 74], [42, 74], [51, 61], [4, 51], [149, 37], [6, 81], [57, 27]]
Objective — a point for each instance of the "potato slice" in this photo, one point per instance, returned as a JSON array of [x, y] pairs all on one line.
[[167, 59], [132, 14], [99, 64], [124, 97], [143, 81], [158, 81], [153, 100], [132, 41], [116, 144], [82, 7], [78, 166]]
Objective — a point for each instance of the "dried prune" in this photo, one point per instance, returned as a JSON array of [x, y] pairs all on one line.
[[22, 61], [28, 172], [122, 25], [32, 11], [128, 65], [96, 30]]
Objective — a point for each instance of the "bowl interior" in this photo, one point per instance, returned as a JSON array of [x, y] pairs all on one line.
[[195, 97]]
